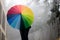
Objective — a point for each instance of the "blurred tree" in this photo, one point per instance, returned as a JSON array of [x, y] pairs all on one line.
[[56, 14]]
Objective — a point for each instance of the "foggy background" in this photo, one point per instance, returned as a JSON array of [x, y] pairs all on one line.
[[42, 27]]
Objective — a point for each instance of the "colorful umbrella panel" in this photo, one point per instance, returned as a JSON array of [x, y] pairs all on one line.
[[20, 15]]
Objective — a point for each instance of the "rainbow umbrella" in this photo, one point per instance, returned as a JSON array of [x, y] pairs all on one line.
[[20, 16]]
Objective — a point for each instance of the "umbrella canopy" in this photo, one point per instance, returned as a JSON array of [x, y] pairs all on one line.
[[20, 16]]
